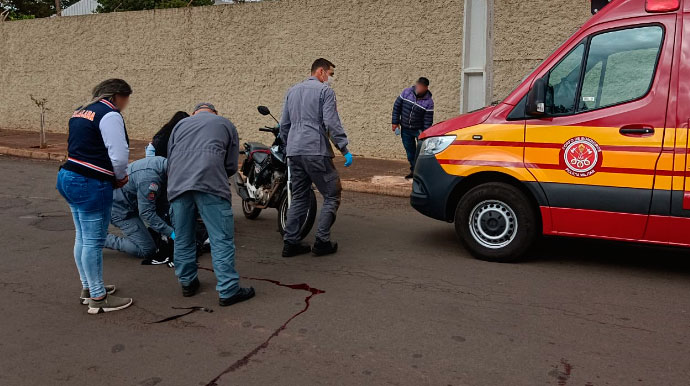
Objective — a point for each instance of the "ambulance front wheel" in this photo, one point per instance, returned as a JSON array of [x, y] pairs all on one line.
[[496, 222]]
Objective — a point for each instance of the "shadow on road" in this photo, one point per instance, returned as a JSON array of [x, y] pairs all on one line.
[[611, 254]]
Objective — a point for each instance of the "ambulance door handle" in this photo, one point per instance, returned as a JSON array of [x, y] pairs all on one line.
[[636, 130]]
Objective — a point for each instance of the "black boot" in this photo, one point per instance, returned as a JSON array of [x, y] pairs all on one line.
[[190, 290], [291, 250], [241, 295], [324, 247]]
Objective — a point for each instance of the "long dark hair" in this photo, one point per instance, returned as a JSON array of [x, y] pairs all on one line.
[[160, 140]]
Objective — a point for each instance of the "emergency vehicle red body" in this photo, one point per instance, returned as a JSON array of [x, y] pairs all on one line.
[[593, 143]]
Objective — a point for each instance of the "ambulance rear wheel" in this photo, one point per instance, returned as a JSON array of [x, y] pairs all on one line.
[[496, 222]]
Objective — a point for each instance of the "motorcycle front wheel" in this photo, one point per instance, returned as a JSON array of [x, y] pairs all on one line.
[[308, 221]]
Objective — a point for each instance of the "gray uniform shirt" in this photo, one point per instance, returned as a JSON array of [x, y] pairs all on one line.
[[143, 194], [202, 153], [310, 117]]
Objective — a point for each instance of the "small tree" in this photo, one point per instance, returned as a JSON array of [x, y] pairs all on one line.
[[41, 103]]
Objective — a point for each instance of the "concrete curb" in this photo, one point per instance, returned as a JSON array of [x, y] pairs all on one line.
[[39, 155], [373, 186], [376, 186]]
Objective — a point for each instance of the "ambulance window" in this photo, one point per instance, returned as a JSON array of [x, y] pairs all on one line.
[[561, 88], [620, 66]]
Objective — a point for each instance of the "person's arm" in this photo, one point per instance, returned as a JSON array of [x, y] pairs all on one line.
[[147, 197], [232, 154], [429, 117], [112, 128], [285, 122], [397, 111], [331, 119]]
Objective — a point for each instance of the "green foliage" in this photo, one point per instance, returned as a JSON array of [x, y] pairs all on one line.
[[138, 5], [29, 9]]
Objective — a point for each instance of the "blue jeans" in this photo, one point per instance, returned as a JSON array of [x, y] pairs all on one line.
[[409, 140], [137, 240], [90, 201], [216, 213]]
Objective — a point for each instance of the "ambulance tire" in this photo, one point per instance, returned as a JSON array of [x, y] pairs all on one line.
[[496, 222], [249, 210]]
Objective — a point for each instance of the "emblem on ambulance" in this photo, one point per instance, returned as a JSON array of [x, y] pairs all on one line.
[[582, 156]]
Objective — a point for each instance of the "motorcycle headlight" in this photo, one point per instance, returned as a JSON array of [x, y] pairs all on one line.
[[435, 145]]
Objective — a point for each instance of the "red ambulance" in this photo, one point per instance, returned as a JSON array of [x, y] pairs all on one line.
[[593, 143]]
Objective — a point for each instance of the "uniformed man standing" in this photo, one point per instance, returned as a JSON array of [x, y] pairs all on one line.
[[140, 203], [310, 119]]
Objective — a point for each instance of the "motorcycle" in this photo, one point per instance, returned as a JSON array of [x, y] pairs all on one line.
[[263, 181]]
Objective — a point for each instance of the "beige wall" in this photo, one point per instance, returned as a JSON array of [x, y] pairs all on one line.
[[526, 32], [240, 56], [237, 56]]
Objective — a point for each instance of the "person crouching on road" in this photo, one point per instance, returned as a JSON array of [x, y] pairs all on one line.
[[98, 151], [139, 204], [203, 153], [310, 118], [413, 112]]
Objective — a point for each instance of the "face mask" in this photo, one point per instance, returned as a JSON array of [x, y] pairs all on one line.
[[330, 81]]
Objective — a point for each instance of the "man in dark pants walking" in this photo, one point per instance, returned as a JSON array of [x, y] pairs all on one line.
[[413, 112], [310, 119]]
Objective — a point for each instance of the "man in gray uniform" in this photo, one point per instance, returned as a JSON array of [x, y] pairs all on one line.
[[139, 204], [202, 154], [309, 122]]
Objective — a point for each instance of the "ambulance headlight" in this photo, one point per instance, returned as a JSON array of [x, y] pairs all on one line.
[[435, 145]]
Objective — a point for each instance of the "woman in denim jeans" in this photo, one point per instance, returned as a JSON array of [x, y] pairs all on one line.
[[98, 152]]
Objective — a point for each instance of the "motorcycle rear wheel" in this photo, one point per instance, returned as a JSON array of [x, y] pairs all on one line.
[[308, 219], [250, 211]]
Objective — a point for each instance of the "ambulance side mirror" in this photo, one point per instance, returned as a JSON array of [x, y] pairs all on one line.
[[536, 99]]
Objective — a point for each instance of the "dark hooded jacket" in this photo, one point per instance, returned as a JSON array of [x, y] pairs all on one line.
[[412, 112]]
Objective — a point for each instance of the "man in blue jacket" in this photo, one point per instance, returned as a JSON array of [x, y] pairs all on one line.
[[413, 112]]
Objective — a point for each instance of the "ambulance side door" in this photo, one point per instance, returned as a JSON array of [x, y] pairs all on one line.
[[670, 211], [595, 150]]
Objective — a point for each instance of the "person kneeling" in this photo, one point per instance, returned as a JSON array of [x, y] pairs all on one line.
[[139, 204]]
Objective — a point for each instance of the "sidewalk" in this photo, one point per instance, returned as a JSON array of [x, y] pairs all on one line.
[[367, 175]]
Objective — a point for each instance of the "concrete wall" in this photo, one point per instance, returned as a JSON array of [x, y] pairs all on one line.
[[526, 32], [240, 56], [237, 56]]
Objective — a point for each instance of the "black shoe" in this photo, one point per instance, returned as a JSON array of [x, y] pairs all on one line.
[[409, 176], [324, 247], [190, 290], [291, 250], [241, 295]]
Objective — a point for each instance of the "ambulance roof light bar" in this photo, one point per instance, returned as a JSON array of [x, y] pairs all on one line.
[[662, 5]]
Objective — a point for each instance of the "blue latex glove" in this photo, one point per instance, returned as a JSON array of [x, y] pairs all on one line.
[[172, 236], [150, 150], [348, 160]]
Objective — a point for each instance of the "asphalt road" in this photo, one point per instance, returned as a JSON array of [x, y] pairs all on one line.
[[403, 304]]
